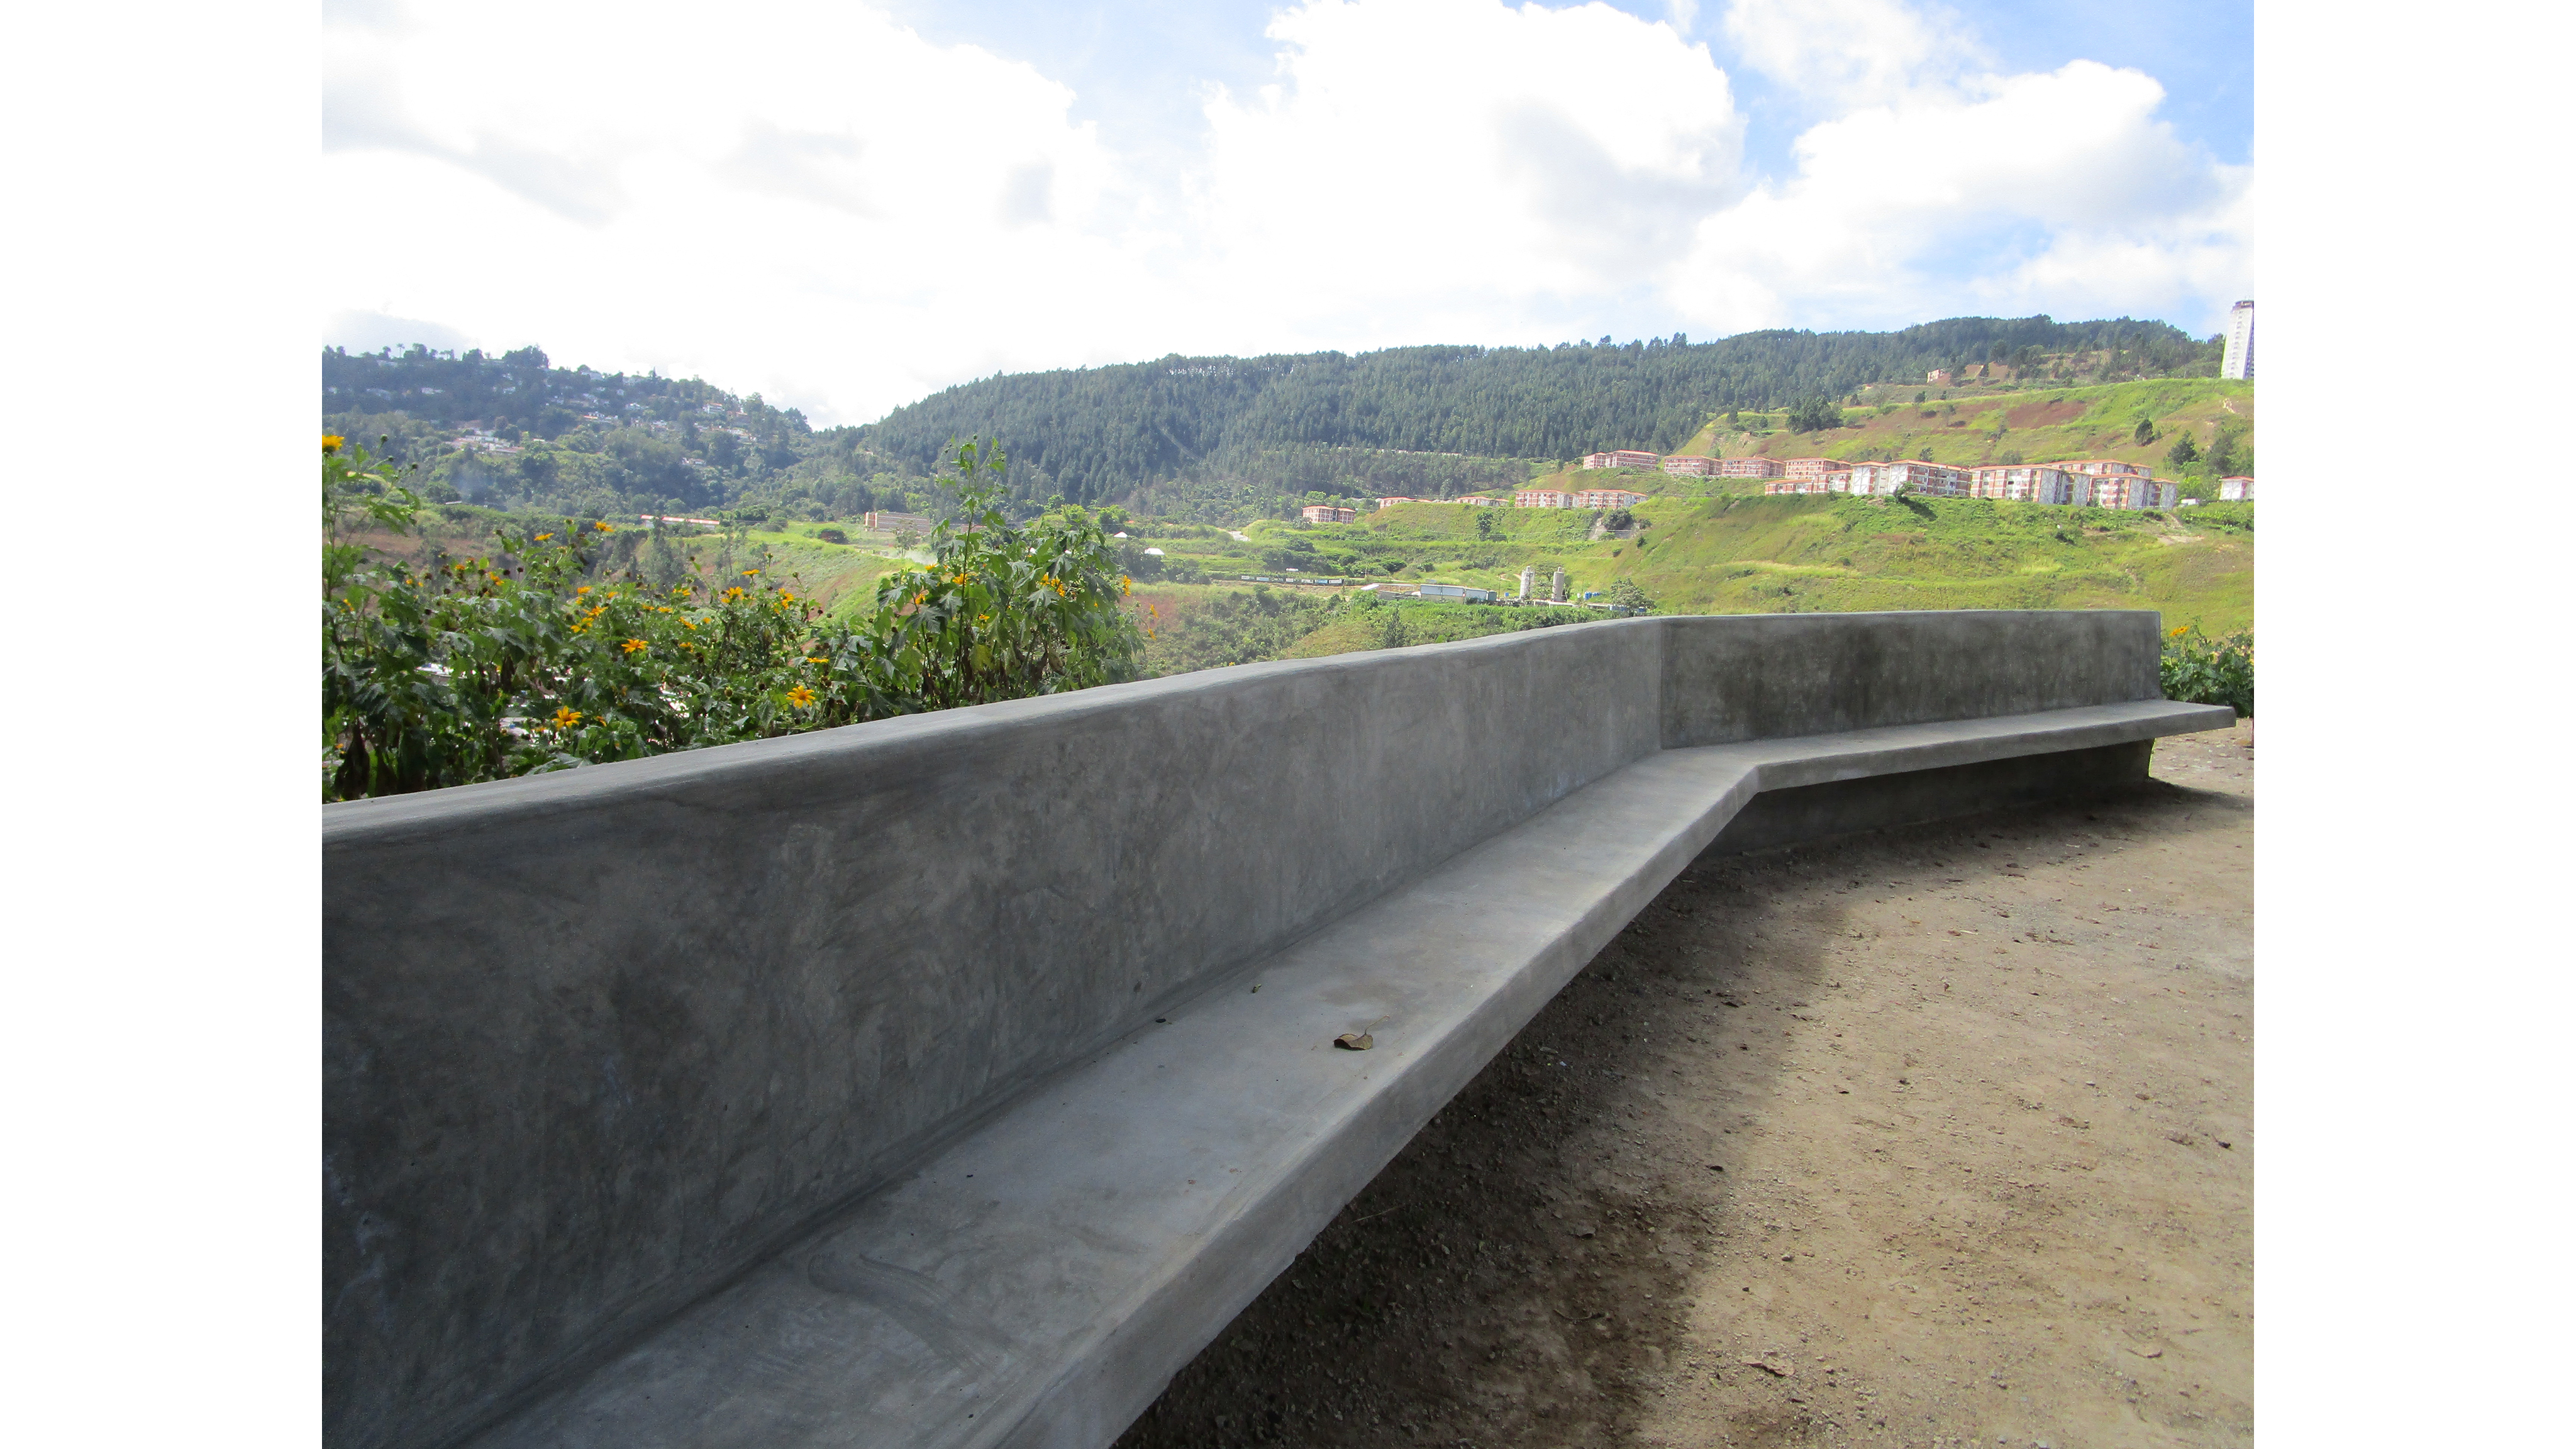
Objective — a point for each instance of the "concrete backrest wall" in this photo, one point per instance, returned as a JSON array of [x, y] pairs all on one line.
[[1776, 676], [596, 1040]]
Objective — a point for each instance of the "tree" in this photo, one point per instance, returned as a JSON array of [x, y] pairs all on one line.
[[1814, 415], [1625, 594], [2184, 452], [2226, 457], [2145, 432], [1395, 635]]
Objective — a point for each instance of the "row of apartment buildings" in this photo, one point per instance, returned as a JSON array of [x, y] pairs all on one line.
[[2090, 482], [1580, 498], [1525, 498]]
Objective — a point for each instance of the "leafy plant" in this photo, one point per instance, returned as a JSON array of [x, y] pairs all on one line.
[[1627, 595], [2196, 669], [543, 656], [999, 613]]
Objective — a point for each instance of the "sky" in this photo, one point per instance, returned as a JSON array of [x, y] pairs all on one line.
[[848, 206]]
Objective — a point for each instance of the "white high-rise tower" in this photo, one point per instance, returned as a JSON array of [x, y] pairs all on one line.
[[2240, 343]]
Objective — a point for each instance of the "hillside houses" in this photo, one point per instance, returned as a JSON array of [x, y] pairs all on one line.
[[1608, 498], [2079, 482], [2092, 482], [1622, 458]]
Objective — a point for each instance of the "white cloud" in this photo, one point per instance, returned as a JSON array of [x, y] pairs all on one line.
[[1856, 50], [811, 201], [1465, 157], [2056, 192], [816, 202]]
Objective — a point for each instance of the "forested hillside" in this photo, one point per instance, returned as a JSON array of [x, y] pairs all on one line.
[[1212, 439], [1100, 433]]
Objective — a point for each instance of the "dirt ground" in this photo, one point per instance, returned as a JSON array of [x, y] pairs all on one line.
[[1939, 1136]]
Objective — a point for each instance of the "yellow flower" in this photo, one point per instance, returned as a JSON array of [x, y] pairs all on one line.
[[331, 443], [543, 537], [633, 646], [733, 593], [566, 718], [602, 526], [751, 573], [1126, 586], [688, 624], [2178, 633], [921, 598], [782, 593], [800, 696], [577, 593], [816, 659]]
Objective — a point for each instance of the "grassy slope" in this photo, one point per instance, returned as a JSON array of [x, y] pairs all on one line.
[[1736, 554], [2041, 425]]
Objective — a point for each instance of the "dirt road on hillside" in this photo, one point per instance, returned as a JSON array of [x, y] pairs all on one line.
[[1934, 1137]]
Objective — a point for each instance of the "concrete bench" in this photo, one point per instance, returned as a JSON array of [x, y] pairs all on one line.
[[998, 1075]]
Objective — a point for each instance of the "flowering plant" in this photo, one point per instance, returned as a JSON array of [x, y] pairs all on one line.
[[538, 657], [2197, 669]]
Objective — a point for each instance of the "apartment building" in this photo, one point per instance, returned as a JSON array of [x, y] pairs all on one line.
[[2236, 490], [2023, 483], [1622, 458], [1686, 467], [2108, 468], [2127, 491], [1391, 502], [1327, 513], [1806, 485], [1808, 467], [1912, 475], [1608, 498], [1473, 501], [1542, 498], [1747, 468], [2238, 361]]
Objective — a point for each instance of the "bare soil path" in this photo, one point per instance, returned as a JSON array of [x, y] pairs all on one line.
[[1939, 1136]]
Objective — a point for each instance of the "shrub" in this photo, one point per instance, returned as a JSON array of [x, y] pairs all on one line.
[[831, 535], [543, 657], [2199, 670]]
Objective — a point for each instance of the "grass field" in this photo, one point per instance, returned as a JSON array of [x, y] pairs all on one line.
[[1730, 553]]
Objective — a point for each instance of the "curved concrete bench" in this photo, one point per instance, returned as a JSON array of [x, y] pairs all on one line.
[[1029, 1258]]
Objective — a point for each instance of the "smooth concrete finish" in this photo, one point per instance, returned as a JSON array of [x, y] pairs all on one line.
[[1038, 1280], [1843, 807], [600, 1044], [1771, 676], [595, 1040]]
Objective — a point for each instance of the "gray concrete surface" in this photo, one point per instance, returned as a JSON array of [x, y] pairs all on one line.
[[739, 1022]]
